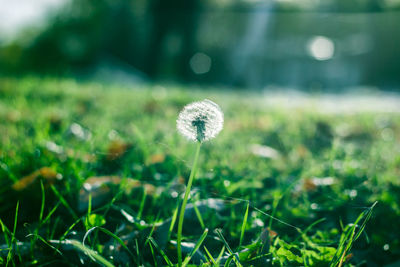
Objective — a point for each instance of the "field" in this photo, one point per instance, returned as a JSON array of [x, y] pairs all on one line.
[[93, 174]]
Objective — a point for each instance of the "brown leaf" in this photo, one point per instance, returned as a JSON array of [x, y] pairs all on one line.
[[309, 185], [28, 182], [157, 158], [117, 149]]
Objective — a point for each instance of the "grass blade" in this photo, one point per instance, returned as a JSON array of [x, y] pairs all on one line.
[[198, 214], [142, 202], [91, 253], [9, 255], [210, 256], [36, 236], [173, 220], [351, 236], [40, 217], [246, 214], [167, 260], [152, 230], [51, 213], [70, 228], [6, 232], [196, 247], [234, 255], [221, 253], [64, 202], [107, 232], [154, 256]]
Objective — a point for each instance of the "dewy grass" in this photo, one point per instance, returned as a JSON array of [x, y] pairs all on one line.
[[199, 122], [316, 182]]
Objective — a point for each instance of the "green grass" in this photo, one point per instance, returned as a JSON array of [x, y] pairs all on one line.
[[310, 202]]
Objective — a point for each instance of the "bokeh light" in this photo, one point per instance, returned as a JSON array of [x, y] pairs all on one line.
[[321, 48], [200, 63]]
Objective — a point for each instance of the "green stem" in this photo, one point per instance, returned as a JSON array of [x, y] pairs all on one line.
[[185, 199]]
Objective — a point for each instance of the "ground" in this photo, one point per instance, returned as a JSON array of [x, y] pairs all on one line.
[[93, 174]]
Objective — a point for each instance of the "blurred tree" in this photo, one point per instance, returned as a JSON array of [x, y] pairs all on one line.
[[177, 17], [81, 35], [247, 43]]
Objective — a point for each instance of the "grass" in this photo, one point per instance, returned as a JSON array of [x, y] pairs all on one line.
[[91, 174]]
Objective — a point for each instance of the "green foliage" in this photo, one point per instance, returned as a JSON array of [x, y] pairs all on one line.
[[105, 164]]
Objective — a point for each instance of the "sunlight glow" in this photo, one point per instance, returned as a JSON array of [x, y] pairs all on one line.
[[321, 48]]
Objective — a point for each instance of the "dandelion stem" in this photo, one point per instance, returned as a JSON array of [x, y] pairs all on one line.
[[185, 199]]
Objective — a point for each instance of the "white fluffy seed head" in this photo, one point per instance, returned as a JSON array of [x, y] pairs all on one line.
[[200, 121]]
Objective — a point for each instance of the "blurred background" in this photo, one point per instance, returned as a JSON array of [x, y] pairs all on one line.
[[313, 45]]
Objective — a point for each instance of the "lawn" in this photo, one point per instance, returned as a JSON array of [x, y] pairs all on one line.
[[93, 174]]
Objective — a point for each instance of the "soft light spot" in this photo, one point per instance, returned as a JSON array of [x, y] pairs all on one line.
[[353, 193], [77, 130], [53, 147], [227, 183], [128, 216], [321, 48], [200, 63], [326, 181], [264, 151], [259, 222], [87, 186], [386, 247], [314, 206]]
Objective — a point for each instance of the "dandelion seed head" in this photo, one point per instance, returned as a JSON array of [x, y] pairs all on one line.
[[200, 121]]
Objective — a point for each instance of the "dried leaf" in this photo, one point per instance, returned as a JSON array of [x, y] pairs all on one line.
[[117, 149], [30, 181], [157, 158]]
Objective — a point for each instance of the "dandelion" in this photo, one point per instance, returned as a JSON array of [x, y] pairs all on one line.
[[198, 122]]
